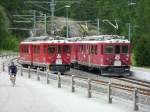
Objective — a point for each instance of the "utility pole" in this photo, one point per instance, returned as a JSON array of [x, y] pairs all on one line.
[[98, 24], [129, 24], [67, 27], [34, 22], [45, 24], [52, 5], [129, 31]]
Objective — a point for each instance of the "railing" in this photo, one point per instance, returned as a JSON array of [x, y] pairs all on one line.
[[8, 55], [90, 84]]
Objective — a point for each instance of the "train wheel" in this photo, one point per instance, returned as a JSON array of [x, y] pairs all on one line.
[[101, 71], [90, 68], [25, 66], [130, 73]]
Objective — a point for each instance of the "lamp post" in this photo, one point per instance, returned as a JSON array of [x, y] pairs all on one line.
[[129, 24], [67, 28]]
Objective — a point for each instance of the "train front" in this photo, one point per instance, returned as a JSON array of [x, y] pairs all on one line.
[[117, 56], [59, 56]]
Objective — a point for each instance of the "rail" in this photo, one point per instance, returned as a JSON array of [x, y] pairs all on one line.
[[90, 84]]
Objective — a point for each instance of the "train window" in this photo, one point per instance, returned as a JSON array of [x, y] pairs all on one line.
[[108, 49], [117, 49], [95, 49], [125, 49], [102, 49], [34, 49], [99, 49], [51, 49], [38, 49], [25, 49], [92, 49], [66, 49], [89, 49], [44, 50], [59, 49], [81, 48]]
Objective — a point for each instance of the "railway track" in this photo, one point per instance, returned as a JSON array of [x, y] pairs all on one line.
[[120, 80], [135, 81]]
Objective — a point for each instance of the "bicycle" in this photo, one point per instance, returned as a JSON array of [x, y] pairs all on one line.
[[12, 79]]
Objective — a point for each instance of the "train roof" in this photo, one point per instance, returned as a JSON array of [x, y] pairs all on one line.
[[87, 39], [100, 39], [44, 40], [105, 41]]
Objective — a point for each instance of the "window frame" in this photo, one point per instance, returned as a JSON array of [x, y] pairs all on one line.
[[66, 49], [122, 49], [115, 46], [107, 52], [54, 50]]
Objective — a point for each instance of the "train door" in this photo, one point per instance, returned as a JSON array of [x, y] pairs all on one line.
[[117, 61], [84, 53], [37, 53], [45, 54], [51, 54], [73, 53], [117, 49], [89, 55], [31, 53], [59, 55], [80, 53], [66, 54], [92, 53]]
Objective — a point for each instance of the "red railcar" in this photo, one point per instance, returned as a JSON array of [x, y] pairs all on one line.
[[106, 52], [54, 54]]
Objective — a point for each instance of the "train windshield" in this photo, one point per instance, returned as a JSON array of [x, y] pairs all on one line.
[[51, 49], [108, 49], [125, 49], [117, 49], [59, 49], [66, 49]]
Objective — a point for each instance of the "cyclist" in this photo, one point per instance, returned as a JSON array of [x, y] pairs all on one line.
[[12, 71]]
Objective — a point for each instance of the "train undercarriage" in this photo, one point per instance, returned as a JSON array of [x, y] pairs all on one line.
[[105, 70]]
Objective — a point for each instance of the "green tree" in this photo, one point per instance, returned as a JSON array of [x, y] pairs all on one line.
[[142, 40], [3, 25]]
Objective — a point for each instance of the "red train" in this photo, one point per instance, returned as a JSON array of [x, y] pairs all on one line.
[[110, 53], [43, 53]]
